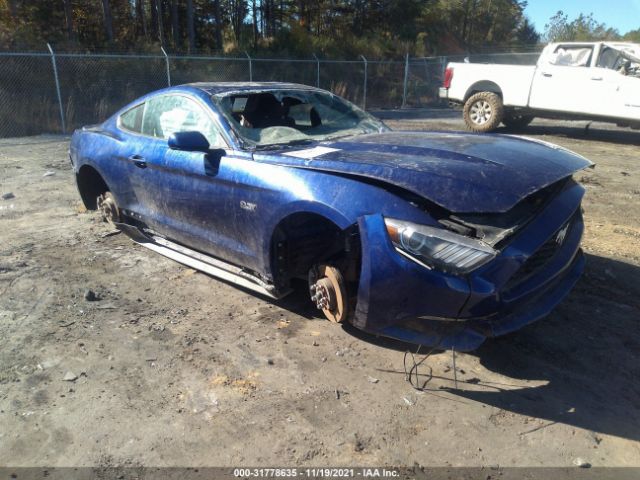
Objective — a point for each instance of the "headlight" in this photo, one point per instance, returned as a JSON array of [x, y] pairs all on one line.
[[438, 248]]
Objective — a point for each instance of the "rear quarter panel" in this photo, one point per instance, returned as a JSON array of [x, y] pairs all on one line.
[[98, 147]]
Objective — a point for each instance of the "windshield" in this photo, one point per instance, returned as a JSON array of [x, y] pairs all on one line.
[[267, 118]]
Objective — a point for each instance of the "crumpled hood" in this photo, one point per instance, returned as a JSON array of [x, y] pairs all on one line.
[[460, 172]]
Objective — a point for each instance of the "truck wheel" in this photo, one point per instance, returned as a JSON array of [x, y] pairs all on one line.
[[483, 112], [516, 121]]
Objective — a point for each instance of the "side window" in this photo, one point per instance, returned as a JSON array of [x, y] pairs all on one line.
[[334, 113], [168, 114], [608, 58], [571, 56], [301, 113], [615, 60], [132, 119]]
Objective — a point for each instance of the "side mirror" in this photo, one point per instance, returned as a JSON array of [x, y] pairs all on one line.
[[189, 142]]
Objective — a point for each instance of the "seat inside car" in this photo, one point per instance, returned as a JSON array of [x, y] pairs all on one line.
[[264, 110]]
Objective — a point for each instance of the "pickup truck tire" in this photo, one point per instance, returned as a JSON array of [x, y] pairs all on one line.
[[515, 121], [483, 112]]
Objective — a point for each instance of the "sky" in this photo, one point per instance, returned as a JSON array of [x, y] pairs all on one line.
[[621, 14]]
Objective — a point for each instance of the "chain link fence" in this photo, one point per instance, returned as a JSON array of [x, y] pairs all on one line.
[[49, 92], [28, 102], [91, 88]]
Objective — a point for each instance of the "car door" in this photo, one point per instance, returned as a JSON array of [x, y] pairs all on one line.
[[123, 163], [607, 83], [563, 81], [184, 195], [620, 88], [628, 97]]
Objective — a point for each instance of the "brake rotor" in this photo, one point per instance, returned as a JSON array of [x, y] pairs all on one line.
[[108, 208], [329, 293]]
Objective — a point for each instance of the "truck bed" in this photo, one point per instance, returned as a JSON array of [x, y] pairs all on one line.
[[514, 81]]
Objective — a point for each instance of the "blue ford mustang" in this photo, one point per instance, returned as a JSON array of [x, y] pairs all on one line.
[[440, 239]]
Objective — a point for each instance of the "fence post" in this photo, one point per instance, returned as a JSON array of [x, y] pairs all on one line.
[[364, 96], [166, 61], [317, 70], [406, 80], [250, 67], [55, 75]]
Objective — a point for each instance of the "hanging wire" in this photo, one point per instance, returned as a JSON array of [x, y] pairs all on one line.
[[412, 367], [412, 375]]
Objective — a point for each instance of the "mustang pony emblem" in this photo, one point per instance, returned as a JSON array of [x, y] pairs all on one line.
[[562, 234]]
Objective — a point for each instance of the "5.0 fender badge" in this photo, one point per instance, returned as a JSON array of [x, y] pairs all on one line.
[[248, 206]]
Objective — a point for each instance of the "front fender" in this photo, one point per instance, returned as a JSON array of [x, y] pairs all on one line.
[[394, 289], [329, 212], [339, 199]]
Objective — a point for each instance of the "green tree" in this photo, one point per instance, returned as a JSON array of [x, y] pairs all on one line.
[[526, 33], [582, 28], [348, 28], [632, 36]]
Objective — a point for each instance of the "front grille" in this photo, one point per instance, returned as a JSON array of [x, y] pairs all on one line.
[[541, 256]]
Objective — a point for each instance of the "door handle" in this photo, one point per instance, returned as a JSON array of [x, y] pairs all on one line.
[[599, 79], [547, 74], [138, 161]]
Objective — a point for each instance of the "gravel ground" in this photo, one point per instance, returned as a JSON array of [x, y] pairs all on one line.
[[169, 367]]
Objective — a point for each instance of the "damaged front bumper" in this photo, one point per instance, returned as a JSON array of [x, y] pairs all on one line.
[[402, 299]]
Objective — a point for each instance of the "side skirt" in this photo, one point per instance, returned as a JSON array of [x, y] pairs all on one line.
[[199, 261]]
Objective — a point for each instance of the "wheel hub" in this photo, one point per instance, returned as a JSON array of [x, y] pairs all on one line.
[[108, 208], [328, 292], [323, 294], [480, 112]]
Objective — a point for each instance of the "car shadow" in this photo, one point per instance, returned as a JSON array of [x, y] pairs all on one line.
[[585, 356], [298, 302], [439, 113], [579, 131]]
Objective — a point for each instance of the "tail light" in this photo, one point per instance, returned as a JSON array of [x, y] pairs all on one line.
[[448, 76]]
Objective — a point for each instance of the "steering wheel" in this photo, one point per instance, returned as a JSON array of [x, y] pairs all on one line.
[[619, 63]]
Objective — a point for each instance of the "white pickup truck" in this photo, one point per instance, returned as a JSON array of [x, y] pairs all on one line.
[[574, 81]]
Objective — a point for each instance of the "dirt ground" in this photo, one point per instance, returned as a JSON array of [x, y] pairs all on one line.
[[173, 368]]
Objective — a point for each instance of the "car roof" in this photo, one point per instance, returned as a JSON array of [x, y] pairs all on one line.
[[213, 88], [204, 89]]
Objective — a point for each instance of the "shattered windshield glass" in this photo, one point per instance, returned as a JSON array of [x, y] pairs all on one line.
[[267, 118]]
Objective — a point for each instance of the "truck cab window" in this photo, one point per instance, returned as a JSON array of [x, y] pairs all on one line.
[[571, 57]]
